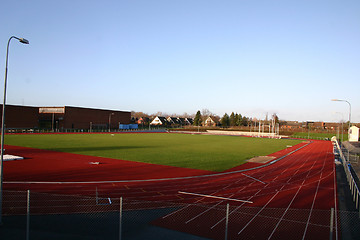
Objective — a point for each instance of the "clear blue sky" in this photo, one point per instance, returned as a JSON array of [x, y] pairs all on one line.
[[248, 56]]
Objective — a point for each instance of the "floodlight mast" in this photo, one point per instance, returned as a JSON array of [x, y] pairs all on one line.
[[341, 100], [24, 41]]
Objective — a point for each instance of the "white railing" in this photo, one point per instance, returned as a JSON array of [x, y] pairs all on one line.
[[354, 188]]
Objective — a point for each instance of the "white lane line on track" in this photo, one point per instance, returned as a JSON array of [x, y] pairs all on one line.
[[313, 203], [253, 178], [172, 213], [202, 213], [258, 213], [312, 207], [216, 197], [297, 192], [268, 173], [273, 180], [242, 203], [286, 210], [307, 158], [234, 210]]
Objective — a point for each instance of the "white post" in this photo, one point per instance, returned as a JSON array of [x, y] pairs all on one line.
[[355, 191], [52, 122], [227, 221], [28, 216], [96, 196], [259, 128], [120, 219], [331, 223], [24, 41]]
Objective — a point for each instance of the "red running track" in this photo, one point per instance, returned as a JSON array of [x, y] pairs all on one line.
[[291, 196]]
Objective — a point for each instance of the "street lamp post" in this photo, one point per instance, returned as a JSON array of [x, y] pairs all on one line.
[[342, 123], [341, 100], [24, 41]]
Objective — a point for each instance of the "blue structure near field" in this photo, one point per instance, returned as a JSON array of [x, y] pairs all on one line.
[[128, 126]]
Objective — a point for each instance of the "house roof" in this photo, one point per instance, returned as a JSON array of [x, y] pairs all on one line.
[[215, 119], [173, 120], [190, 120]]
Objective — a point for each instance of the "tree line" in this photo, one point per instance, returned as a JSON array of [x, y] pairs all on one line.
[[233, 120]]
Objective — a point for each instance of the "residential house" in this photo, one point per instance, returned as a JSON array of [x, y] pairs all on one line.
[[143, 121], [173, 121], [212, 121], [189, 121], [159, 121]]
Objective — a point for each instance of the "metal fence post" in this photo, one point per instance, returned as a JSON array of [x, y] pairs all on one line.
[[96, 196], [331, 223], [120, 219], [355, 192], [28, 216], [227, 221]]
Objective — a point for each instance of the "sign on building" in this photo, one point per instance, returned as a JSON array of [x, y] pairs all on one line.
[[51, 110]]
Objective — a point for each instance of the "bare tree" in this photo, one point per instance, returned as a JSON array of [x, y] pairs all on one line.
[[205, 113]]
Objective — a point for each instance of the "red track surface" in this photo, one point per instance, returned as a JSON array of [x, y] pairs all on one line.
[[292, 196]]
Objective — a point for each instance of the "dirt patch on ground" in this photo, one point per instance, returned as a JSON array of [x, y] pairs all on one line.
[[261, 159]]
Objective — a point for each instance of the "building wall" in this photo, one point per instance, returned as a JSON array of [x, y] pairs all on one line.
[[74, 117], [82, 118], [20, 116]]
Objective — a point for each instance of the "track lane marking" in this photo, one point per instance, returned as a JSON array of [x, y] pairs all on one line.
[[313, 202], [216, 197], [304, 162], [253, 178], [258, 213]]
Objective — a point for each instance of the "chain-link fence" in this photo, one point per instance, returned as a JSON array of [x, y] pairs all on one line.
[[70, 130], [33, 215], [351, 176]]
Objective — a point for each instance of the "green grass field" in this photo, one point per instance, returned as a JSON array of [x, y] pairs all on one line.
[[214, 153], [318, 136]]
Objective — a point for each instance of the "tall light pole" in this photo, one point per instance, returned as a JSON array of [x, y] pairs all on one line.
[[24, 41], [342, 123], [341, 100]]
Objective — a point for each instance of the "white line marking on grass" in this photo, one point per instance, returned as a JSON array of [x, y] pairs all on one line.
[[211, 196]]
